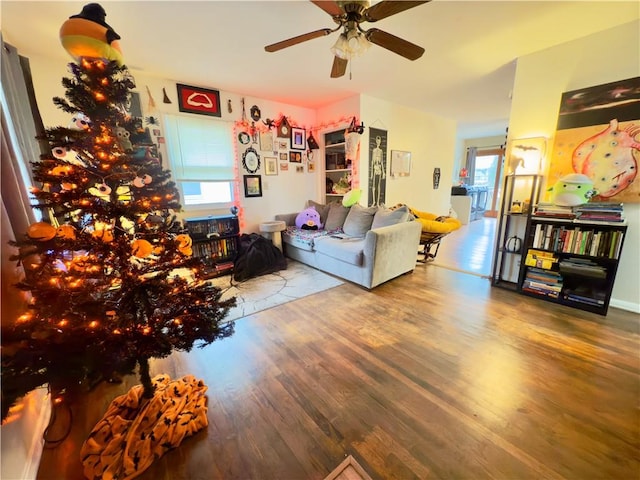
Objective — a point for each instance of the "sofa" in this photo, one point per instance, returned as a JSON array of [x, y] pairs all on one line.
[[366, 246]]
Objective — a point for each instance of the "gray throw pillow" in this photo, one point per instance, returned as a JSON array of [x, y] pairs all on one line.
[[336, 216], [385, 217], [321, 208], [359, 220]]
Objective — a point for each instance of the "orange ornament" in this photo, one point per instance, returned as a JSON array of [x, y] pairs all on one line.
[[141, 248], [41, 231], [67, 232], [184, 244]]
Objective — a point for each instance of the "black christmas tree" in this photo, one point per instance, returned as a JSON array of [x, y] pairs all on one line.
[[111, 276]]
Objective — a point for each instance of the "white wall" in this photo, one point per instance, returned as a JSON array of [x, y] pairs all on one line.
[[431, 141], [542, 77]]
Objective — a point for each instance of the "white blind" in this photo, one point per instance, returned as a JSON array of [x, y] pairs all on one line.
[[199, 149]]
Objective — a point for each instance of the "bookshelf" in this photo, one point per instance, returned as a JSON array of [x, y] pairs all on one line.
[[572, 261], [215, 239], [335, 164], [519, 193]]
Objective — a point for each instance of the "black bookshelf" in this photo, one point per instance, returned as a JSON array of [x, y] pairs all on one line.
[[215, 240], [572, 262]]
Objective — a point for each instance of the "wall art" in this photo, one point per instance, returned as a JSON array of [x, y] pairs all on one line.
[[298, 139], [266, 141], [252, 185], [378, 166], [295, 157], [589, 119], [400, 163], [270, 166], [202, 101]]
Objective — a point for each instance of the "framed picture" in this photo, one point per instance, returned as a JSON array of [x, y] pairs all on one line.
[[270, 166], [295, 157], [284, 166], [400, 163], [298, 139], [198, 100], [283, 145], [284, 157], [266, 141], [311, 167], [252, 185], [299, 169]]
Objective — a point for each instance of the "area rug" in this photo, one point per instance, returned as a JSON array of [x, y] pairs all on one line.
[[268, 291]]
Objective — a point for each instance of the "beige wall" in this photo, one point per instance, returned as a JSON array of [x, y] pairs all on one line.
[[431, 141], [542, 77]]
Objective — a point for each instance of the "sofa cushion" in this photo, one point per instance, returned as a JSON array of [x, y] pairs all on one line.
[[302, 239], [385, 217], [359, 220], [341, 247], [336, 216], [321, 208]]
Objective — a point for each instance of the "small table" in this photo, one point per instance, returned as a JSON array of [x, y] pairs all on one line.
[[272, 231]]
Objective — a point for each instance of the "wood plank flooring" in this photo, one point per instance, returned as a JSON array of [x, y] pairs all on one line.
[[432, 375]]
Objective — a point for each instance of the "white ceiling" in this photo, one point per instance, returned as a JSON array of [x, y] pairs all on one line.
[[466, 72]]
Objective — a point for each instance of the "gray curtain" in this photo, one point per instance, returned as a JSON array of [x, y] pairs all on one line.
[[18, 147]]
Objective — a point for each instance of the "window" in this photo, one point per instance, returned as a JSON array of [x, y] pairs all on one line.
[[201, 156]]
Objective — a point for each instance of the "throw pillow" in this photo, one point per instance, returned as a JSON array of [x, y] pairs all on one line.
[[385, 217], [359, 220], [352, 197], [336, 216], [321, 208]]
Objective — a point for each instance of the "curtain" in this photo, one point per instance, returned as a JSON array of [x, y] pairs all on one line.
[[18, 147]]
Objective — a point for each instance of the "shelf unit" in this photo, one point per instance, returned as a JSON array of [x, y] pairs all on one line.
[[335, 163], [215, 240], [512, 229], [572, 262]]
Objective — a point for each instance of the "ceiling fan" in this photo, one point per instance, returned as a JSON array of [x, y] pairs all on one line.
[[354, 40]]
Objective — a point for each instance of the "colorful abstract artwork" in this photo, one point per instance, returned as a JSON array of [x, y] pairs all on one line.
[[598, 135]]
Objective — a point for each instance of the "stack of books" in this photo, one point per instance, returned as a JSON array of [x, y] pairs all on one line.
[[549, 210], [543, 282], [608, 212]]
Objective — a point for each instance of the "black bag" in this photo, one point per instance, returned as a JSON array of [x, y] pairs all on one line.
[[256, 256]]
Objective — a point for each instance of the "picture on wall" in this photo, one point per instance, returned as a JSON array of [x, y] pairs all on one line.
[[198, 100], [266, 141], [295, 157], [252, 185], [377, 166], [598, 135], [270, 166]]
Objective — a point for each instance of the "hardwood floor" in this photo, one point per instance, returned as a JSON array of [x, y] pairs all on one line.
[[432, 375]]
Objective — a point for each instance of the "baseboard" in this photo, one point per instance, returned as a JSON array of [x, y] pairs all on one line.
[[622, 305]]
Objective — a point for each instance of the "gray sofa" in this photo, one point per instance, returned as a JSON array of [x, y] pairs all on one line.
[[367, 246]]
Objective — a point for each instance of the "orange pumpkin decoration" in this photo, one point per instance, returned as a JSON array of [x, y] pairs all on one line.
[[141, 248], [103, 231], [41, 231], [66, 232], [184, 244]]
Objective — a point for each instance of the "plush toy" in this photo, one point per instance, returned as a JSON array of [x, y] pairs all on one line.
[[572, 190], [309, 219], [88, 35]]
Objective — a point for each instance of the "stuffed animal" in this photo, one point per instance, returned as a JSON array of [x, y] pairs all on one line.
[[88, 35], [572, 190], [309, 219]]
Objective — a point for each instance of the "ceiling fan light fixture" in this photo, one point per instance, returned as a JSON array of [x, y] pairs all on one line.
[[341, 48], [357, 43]]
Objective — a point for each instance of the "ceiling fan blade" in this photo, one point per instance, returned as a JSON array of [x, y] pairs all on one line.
[[395, 44], [331, 8], [339, 67], [386, 8], [274, 47]]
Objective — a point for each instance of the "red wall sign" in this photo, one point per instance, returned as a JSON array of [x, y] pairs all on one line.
[[198, 100]]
